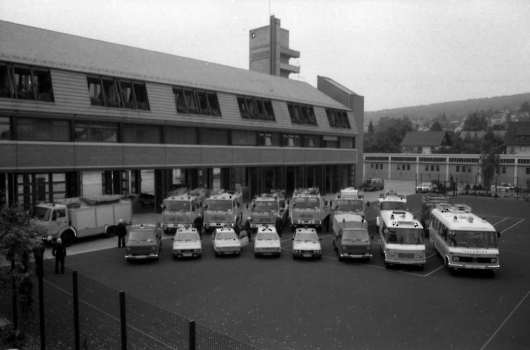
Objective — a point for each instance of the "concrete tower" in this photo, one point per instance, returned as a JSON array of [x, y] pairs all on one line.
[[270, 52]]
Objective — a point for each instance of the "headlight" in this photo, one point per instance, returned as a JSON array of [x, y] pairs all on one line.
[[456, 258], [392, 254], [493, 260], [128, 249], [153, 248], [419, 255], [344, 247]]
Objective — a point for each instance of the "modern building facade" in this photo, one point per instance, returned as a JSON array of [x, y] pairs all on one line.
[[83, 117]]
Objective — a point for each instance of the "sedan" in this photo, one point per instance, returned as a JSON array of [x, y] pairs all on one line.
[[225, 241], [502, 187], [306, 244], [187, 243], [426, 187], [267, 242]]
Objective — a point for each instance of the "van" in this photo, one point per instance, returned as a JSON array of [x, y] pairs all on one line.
[[375, 184]]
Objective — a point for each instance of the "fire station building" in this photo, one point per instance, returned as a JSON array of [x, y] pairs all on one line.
[[81, 117]]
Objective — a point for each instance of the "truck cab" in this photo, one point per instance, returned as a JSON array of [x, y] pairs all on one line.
[[389, 201], [222, 209], [53, 218], [308, 209], [181, 208], [269, 209], [349, 200]]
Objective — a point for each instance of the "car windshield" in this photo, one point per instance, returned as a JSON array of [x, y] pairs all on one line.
[[393, 206], [266, 206], [426, 184], [186, 236], [355, 235], [405, 236], [41, 213], [219, 204], [306, 236], [177, 206], [223, 235], [349, 204], [306, 203], [473, 239], [267, 236], [141, 236]]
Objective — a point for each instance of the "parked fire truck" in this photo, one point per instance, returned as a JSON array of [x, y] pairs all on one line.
[[349, 200], [308, 209], [269, 209], [73, 218], [181, 207], [223, 209]]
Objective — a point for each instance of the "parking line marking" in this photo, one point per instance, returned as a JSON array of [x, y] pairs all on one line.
[[433, 271], [500, 221], [517, 223], [505, 320]]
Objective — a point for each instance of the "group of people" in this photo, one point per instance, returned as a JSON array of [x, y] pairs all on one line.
[[198, 224]]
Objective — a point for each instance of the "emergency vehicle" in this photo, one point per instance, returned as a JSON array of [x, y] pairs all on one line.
[[350, 237], [463, 240], [308, 209], [187, 243], [390, 200], [401, 237], [349, 200], [428, 203], [222, 209], [181, 207], [269, 209]]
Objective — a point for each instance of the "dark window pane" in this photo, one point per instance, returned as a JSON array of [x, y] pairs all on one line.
[[42, 82], [43, 129], [95, 91], [246, 138], [191, 102], [138, 133], [251, 108], [203, 102], [127, 94], [5, 129], [23, 83], [140, 93], [214, 104], [269, 111], [346, 142], [112, 98], [180, 101], [96, 132], [243, 108], [5, 82], [178, 135], [214, 137]]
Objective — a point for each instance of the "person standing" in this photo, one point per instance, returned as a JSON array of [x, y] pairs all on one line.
[[38, 253], [59, 252], [121, 229], [198, 223], [248, 228]]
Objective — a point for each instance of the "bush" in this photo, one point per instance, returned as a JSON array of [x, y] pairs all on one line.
[[467, 187]]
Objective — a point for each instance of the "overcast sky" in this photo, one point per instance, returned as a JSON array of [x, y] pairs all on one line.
[[395, 53]]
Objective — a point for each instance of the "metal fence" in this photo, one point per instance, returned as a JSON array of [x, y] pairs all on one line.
[[96, 316]]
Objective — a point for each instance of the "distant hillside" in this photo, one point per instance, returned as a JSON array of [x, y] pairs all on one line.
[[461, 108]]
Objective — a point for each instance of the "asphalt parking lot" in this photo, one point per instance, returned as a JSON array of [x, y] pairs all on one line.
[[281, 303]]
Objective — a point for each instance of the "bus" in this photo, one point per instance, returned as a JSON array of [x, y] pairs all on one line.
[[463, 240], [402, 240]]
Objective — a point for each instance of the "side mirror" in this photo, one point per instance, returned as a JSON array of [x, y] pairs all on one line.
[[319, 239], [368, 204], [292, 239], [372, 237], [498, 233], [247, 206]]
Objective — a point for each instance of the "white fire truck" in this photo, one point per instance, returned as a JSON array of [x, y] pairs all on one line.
[[349, 201], [223, 209], [308, 209], [181, 207], [269, 209]]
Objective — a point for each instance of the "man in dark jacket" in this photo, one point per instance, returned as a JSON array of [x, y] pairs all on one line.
[[38, 253], [248, 228], [59, 252], [197, 223], [121, 230]]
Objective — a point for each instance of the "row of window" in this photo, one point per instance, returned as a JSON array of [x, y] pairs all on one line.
[[376, 166], [403, 167], [36, 129], [338, 118], [255, 108], [302, 114], [194, 101], [117, 93], [463, 169], [25, 82], [437, 167]]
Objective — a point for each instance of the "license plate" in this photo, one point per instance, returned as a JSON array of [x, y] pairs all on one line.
[[475, 267], [186, 254], [140, 257], [307, 255]]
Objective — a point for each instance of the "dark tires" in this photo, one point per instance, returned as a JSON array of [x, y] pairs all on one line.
[[68, 238]]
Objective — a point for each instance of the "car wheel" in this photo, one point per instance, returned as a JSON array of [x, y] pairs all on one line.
[[111, 232], [216, 254], [387, 265], [339, 257], [174, 257], [199, 256], [256, 255]]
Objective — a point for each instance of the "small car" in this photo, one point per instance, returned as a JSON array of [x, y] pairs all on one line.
[[374, 184], [187, 243], [502, 187], [225, 241], [144, 241], [267, 242], [426, 187], [306, 244], [146, 199]]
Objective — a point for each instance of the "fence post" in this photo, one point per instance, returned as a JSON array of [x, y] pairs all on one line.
[[76, 310], [123, 321], [14, 296], [191, 335], [41, 313]]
